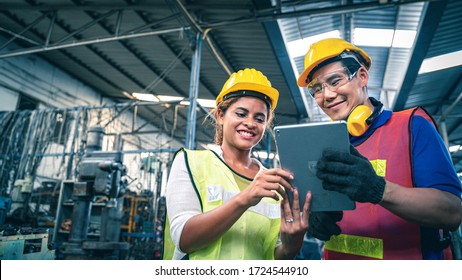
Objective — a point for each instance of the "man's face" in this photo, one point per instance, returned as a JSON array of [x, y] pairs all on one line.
[[338, 101]]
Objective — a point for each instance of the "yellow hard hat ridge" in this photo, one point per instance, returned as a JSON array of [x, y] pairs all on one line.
[[327, 49], [252, 80]]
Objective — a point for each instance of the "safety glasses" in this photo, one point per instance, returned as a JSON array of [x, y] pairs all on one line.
[[332, 80]]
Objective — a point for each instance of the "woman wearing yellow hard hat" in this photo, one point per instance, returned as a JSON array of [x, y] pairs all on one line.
[[398, 170], [223, 204]]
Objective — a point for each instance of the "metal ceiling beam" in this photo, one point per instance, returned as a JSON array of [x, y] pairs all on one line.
[[128, 7], [431, 17], [19, 35], [109, 82], [176, 53], [190, 141], [190, 135], [347, 23], [154, 69], [280, 52], [216, 52], [85, 27], [447, 113], [157, 116], [448, 110], [329, 11], [277, 42], [136, 54], [383, 93], [89, 42]]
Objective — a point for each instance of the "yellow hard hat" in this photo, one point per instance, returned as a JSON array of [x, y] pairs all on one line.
[[327, 49], [249, 82]]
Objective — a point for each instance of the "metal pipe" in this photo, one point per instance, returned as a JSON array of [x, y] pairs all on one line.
[[212, 47], [193, 93], [76, 129], [191, 20], [226, 65], [118, 22], [18, 35], [151, 24], [135, 115], [444, 133], [107, 106], [50, 29], [445, 114], [86, 26], [90, 42], [123, 152]]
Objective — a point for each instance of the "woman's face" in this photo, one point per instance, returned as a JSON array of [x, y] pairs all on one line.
[[244, 123]]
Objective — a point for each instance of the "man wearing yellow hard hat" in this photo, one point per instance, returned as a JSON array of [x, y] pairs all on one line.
[[223, 204], [398, 171]]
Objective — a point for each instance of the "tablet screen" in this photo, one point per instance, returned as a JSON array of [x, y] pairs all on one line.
[[299, 148]]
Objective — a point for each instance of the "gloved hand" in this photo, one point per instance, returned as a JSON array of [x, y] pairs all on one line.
[[351, 174], [324, 224]]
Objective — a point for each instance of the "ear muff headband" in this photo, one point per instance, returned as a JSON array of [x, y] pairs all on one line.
[[361, 117]]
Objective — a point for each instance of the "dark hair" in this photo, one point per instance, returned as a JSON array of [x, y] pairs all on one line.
[[222, 107], [351, 64]]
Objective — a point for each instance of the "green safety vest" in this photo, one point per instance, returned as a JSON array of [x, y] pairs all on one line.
[[253, 235]]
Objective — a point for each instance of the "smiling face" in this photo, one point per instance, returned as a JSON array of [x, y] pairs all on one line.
[[244, 123], [339, 103]]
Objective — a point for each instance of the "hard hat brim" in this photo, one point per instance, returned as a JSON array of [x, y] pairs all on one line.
[[302, 79], [272, 93]]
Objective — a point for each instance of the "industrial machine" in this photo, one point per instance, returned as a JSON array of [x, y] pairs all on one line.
[[19, 198], [27, 246], [90, 210]]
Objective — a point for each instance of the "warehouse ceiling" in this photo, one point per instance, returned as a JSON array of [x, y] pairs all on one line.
[[122, 47]]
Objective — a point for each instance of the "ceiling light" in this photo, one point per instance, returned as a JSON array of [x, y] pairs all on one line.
[[145, 97], [455, 148], [373, 37], [441, 62], [300, 47], [384, 37], [404, 39], [207, 103]]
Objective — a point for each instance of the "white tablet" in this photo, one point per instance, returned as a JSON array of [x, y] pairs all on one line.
[[299, 148]]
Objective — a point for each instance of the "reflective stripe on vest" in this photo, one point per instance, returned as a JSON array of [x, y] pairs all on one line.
[[356, 245], [360, 245]]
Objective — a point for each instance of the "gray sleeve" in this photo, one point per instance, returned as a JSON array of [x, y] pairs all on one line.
[[182, 200]]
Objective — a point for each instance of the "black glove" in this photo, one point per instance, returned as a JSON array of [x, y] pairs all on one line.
[[351, 174], [324, 224]]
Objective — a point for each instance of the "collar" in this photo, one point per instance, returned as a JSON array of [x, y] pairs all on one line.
[[217, 150], [382, 119]]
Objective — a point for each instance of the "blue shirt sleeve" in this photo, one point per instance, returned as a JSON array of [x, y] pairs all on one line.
[[433, 167]]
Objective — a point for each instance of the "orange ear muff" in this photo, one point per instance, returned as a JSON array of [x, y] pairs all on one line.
[[356, 122]]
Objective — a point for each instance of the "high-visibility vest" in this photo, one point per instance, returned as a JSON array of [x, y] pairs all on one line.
[[253, 236], [371, 231]]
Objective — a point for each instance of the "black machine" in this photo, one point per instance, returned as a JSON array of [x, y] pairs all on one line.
[[90, 210]]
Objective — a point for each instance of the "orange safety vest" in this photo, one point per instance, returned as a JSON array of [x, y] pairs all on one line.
[[371, 231]]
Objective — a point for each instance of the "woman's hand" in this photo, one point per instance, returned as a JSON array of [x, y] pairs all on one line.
[[294, 224], [267, 183]]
